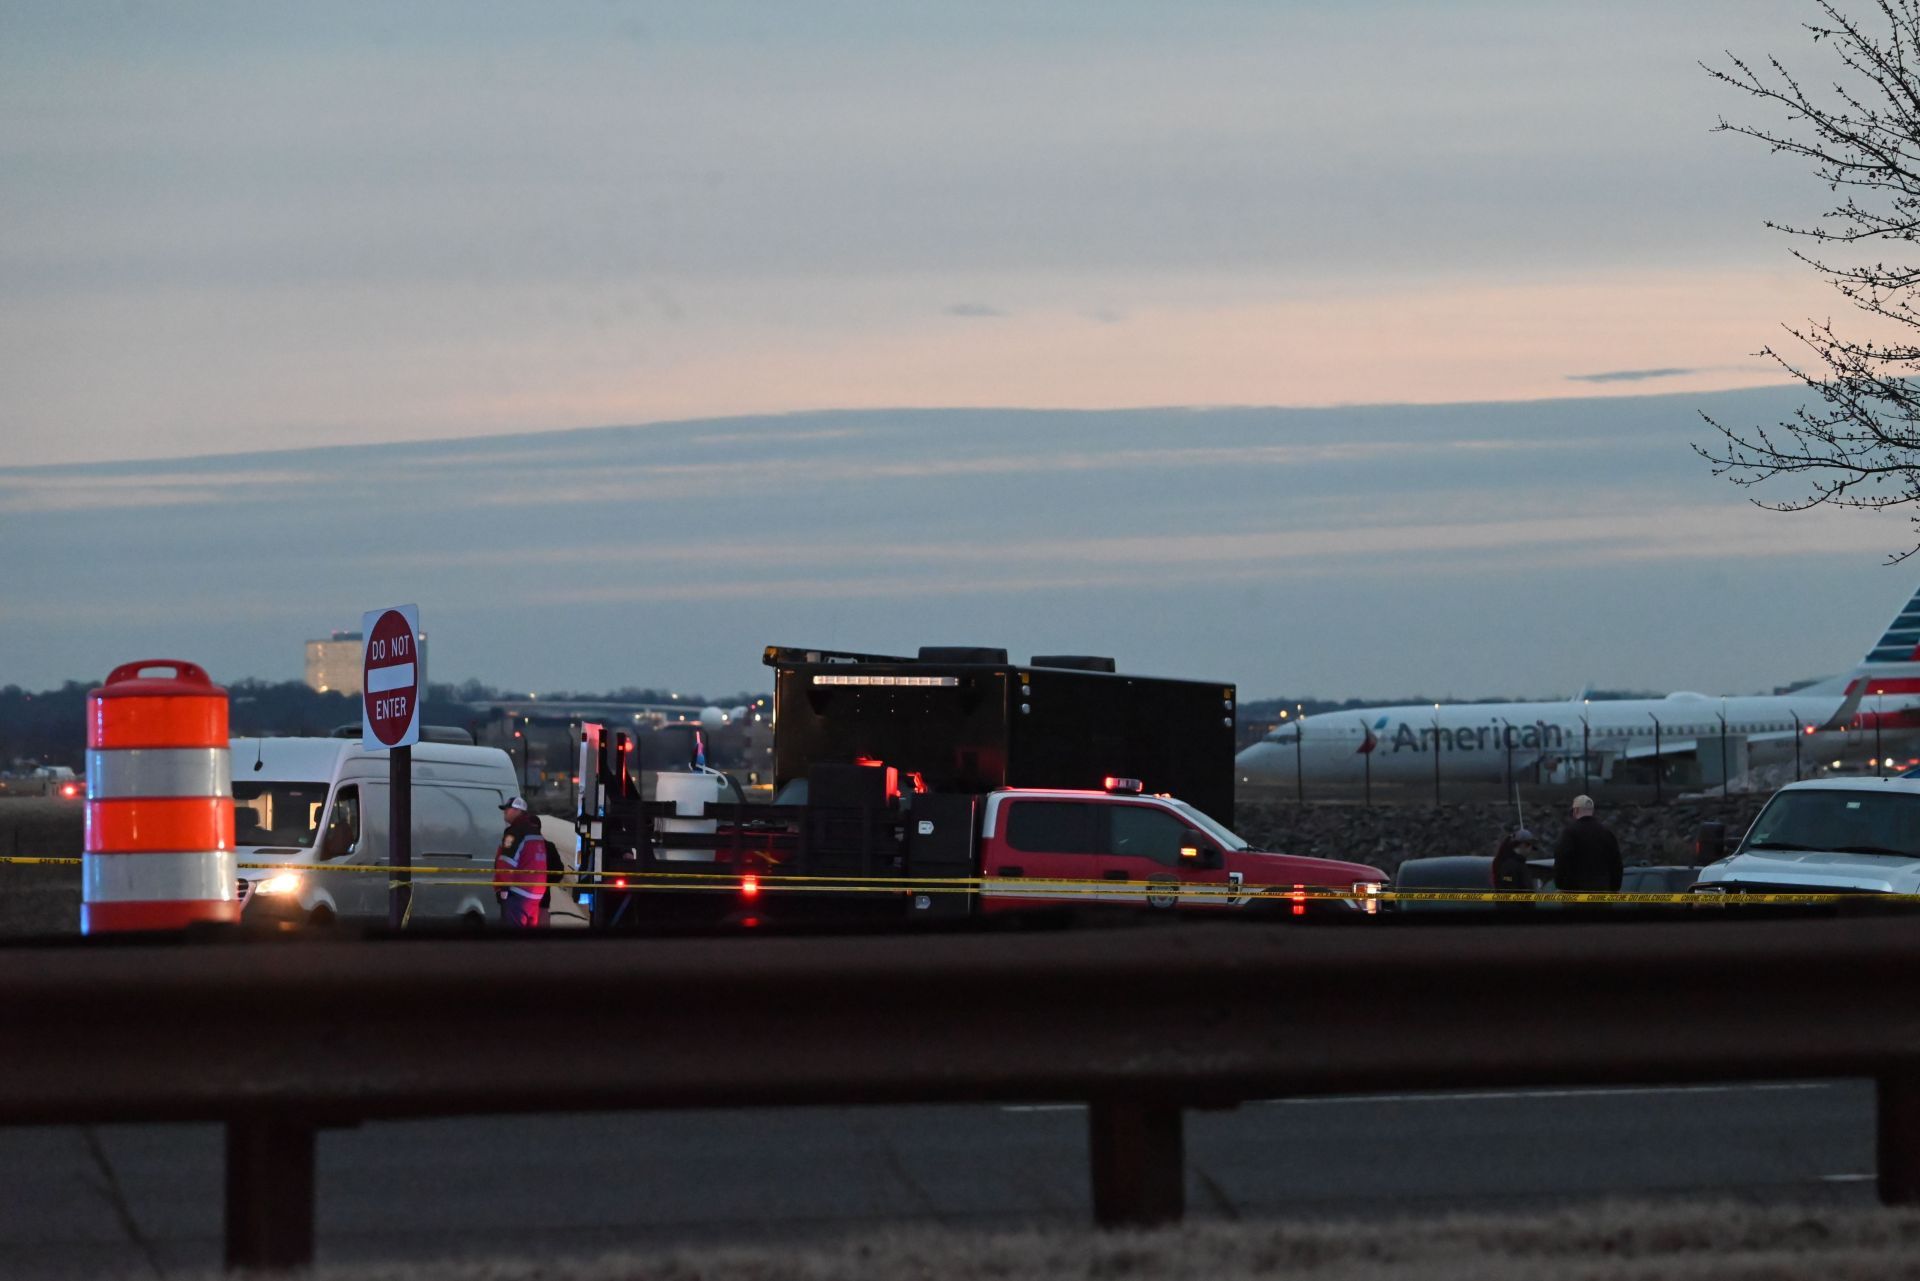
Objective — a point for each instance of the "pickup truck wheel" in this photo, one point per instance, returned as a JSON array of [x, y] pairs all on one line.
[[321, 918], [471, 920]]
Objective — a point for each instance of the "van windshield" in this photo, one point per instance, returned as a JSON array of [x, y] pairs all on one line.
[[277, 813], [1841, 822]]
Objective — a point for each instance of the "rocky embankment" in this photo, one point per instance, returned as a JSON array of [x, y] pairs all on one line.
[[37, 899], [1385, 836]]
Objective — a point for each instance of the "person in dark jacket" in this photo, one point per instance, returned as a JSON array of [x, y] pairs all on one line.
[[1510, 860], [1587, 856]]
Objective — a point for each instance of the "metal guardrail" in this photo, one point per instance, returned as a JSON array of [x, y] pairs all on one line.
[[280, 1040]]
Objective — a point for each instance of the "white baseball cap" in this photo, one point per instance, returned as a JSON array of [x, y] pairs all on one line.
[[517, 803]]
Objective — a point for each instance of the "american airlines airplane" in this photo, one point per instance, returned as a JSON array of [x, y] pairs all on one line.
[[1874, 708]]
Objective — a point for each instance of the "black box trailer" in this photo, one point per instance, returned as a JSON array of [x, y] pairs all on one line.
[[968, 720], [944, 728]]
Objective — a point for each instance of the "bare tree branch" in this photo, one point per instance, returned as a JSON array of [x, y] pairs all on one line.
[[1859, 445]]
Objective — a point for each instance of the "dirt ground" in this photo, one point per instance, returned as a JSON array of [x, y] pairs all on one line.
[[1619, 1242], [38, 900]]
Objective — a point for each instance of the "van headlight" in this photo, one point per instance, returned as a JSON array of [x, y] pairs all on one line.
[[282, 883], [1367, 896]]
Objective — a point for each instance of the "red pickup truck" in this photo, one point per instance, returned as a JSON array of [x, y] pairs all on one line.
[[859, 848], [1122, 848]]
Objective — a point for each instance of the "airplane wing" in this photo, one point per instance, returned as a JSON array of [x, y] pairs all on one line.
[[1849, 706]]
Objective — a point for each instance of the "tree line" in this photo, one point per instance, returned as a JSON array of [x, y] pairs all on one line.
[[48, 727]]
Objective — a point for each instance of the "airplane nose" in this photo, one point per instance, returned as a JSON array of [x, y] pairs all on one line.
[[1259, 761]]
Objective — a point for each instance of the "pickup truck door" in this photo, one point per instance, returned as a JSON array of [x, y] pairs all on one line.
[[1044, 852], [1144, 854]]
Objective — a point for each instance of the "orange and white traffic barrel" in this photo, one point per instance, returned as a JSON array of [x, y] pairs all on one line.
[[159, 848]]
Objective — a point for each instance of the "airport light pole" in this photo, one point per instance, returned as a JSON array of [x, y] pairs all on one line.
[[1506, 737], [1299, 764], [1726, 784], [1366, 765], [1656, 756], [1586, 741], [1436, 755], [1879, 711]]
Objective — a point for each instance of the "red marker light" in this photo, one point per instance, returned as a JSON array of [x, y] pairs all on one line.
[[619, 882], [749, 887], [1299, 897]]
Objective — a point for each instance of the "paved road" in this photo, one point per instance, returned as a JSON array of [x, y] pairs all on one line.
[[146, 1199]]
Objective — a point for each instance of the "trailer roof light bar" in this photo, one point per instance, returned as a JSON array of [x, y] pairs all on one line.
[[944, 681]]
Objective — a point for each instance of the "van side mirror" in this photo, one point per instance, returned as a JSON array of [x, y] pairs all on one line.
[[1710, 843]]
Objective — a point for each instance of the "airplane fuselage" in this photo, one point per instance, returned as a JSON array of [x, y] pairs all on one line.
[[1496, 741]]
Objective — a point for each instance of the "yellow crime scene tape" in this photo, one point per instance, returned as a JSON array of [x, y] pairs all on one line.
[[710, 882]]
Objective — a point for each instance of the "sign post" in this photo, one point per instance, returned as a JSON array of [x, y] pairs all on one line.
[[390, 720]]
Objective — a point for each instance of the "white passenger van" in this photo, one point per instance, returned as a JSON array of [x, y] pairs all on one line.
[[325, 801], [1844, 835]]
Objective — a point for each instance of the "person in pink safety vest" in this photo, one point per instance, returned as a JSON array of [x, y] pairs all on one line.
[[520, 867]]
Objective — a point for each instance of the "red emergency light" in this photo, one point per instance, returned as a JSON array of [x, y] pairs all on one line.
[[749, 887], [893, 774]]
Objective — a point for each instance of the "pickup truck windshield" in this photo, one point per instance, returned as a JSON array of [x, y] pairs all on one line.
[[277, 813], [1851, 822], [1218, 831]]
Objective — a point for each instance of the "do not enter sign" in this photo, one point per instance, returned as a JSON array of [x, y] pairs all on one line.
[[390, 671]]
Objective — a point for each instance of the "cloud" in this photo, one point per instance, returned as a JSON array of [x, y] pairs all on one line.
[[1605, 533], [618, 483], [24, 492], [1631, 375], [975, 311]]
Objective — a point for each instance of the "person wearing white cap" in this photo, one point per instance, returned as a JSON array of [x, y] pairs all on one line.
[[1587, 856], [520, 866]]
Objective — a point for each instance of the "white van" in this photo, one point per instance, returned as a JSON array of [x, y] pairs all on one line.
[[1845, 835], [312, 801]]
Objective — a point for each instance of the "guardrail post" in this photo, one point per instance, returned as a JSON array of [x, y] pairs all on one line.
[[1139, 1162], [269, 1194], [1897, 1135]]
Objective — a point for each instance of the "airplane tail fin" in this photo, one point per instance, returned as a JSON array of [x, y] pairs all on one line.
[[1892, 665]]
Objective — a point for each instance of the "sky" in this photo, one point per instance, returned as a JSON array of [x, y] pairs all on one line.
[[327, 231]]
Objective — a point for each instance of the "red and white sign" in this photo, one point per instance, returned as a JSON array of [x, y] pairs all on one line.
[[390, 678]]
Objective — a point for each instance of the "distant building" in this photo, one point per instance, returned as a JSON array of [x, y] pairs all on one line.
[[334, 664]]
